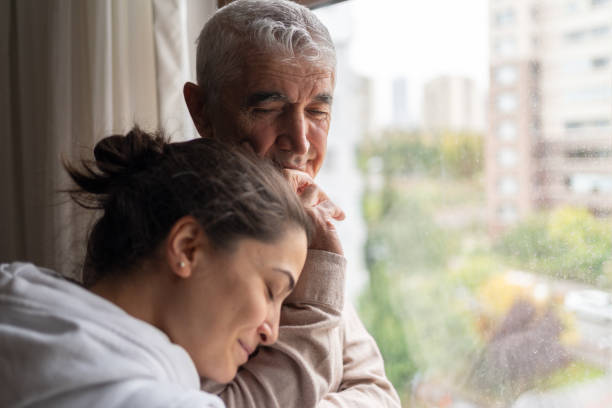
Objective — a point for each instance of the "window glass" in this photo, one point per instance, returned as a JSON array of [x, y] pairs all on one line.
[[507, 213], [507, 130], [483, 274], [505, 46], [506, 75], [590, 183], [508, 186], [506, 102], [590, 94], [504, 17], [507, 157]]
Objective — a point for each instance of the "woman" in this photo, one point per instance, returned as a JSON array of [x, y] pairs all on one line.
[[196, 248]]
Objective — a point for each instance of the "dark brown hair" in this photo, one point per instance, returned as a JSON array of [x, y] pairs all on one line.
[[144, 184]]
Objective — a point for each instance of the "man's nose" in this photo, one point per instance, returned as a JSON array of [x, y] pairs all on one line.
[[268, 330], [294, 135]]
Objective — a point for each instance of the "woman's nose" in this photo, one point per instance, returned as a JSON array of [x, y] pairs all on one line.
[[268, 332]]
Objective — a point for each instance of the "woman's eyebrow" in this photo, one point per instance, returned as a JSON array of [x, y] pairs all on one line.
[[289, 277]]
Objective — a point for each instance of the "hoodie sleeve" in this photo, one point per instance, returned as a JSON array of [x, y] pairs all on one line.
[[130, 393]]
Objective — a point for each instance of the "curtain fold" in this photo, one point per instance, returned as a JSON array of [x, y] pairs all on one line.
[[74, 72]]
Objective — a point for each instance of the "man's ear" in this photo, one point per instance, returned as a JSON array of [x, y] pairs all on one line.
[[185, 238], [195, 101]]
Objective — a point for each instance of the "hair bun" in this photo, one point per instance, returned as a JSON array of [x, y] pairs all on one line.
[[120, 155]]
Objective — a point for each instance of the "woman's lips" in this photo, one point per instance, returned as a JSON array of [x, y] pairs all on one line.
[[246, 350]]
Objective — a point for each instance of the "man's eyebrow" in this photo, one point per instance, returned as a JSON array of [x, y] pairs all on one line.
[[259, 97], [325, 98], [289, 276]]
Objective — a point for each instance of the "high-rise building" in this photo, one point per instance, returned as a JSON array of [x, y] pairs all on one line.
[[549, 140], [452, 103]]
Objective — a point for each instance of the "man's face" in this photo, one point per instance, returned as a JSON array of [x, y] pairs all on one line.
[[283, 109]]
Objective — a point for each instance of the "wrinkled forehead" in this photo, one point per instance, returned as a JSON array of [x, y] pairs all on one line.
[[257, 63]]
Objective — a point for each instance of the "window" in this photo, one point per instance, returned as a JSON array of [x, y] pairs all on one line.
[[581, 124], [507, 213], [506, 102], [575, 36], [505, 47], [590, 183], [588, 153], [508, 186], [596, 3], [594, 94], [507, 157], [506, 75], [469, 232], [506, 130], [505, 17], [601, 31], [600, 62]]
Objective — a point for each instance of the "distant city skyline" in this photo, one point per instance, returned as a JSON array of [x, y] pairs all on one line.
[[413, 42]]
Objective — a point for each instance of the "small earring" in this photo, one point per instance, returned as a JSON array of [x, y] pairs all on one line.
[[182, 264]]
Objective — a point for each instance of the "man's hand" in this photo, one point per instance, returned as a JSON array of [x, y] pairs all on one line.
[[321, 210]]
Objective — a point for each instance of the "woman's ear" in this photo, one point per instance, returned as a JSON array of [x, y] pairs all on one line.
[[185, 237], [195, 101]]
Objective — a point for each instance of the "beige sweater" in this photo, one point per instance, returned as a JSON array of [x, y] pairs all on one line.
[[323, 358]]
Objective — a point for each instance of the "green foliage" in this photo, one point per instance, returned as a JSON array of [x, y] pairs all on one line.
[[378, 310], [461, 154], [408, 239], [573, 373], [475, 270], [455, 155], [568, 243], [407, 252]]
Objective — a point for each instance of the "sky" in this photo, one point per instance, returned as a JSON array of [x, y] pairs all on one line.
[[414, 39]]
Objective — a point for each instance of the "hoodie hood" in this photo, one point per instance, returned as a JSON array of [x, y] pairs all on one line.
[[62, 345]]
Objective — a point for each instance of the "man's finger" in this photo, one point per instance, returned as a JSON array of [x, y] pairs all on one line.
[[297, 179], [333, 210]]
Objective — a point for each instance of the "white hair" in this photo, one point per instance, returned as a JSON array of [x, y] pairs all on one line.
[[279, 28]]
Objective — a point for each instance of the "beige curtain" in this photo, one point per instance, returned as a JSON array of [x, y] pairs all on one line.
[[73, 71]]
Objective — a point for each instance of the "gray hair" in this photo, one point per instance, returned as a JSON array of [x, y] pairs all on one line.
[[275, 27]]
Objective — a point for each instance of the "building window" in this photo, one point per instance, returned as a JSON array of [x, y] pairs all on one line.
[[579, 35], [507, 186], [596, 3], [595, 94], [590, 183], [600, 62], [505, 17], [506, 102], [588, 154], [505, 47], [571, 7], [506, 130], [600, 31], [507, 213], [506, 75], [575, 36], [507, 157], [581, 124], [576, 66]]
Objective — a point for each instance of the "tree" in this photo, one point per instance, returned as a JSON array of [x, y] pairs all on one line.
[[567, 243]]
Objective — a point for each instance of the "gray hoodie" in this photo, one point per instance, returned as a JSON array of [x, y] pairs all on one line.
[[63, 346]]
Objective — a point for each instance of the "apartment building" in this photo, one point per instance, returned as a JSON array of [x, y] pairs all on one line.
[[549, 140]]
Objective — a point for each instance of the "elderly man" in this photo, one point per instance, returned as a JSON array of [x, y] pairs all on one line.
[[265, 72]]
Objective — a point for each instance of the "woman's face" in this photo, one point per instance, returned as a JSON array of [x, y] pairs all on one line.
[[231, 302]]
